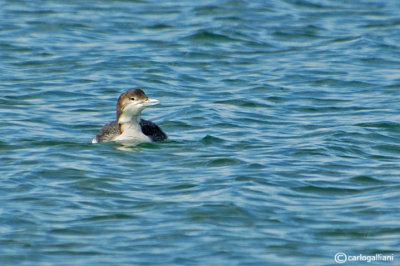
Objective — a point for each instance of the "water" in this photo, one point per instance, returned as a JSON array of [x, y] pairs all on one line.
[[283, 124]]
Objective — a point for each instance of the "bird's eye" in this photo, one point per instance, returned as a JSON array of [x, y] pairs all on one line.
[[132, 99]]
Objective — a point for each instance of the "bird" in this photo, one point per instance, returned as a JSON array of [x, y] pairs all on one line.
[[129, 127]]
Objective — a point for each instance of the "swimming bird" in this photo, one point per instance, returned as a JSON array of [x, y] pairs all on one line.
[[129, 127]]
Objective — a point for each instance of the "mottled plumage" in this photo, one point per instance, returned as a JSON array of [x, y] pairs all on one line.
[[108, 132]]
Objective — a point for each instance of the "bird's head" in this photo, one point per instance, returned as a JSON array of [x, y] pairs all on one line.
[[131, 104]]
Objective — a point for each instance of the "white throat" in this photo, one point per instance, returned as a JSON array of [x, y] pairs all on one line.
[[129, 117], [131, 130]]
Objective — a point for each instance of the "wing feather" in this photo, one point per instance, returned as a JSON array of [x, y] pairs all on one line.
[[153, 131]]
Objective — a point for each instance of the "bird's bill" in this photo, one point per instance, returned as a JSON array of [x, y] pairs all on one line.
[[149, 102]]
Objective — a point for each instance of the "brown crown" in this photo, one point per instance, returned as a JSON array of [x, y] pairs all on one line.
[[137, 94]]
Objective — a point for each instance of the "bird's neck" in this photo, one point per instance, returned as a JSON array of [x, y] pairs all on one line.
[[131, 130], [129, 122], [127, 117]]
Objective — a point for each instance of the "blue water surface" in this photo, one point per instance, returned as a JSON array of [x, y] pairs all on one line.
[[283, 120]]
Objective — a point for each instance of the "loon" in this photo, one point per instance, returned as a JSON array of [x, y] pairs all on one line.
[[129, 127]]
